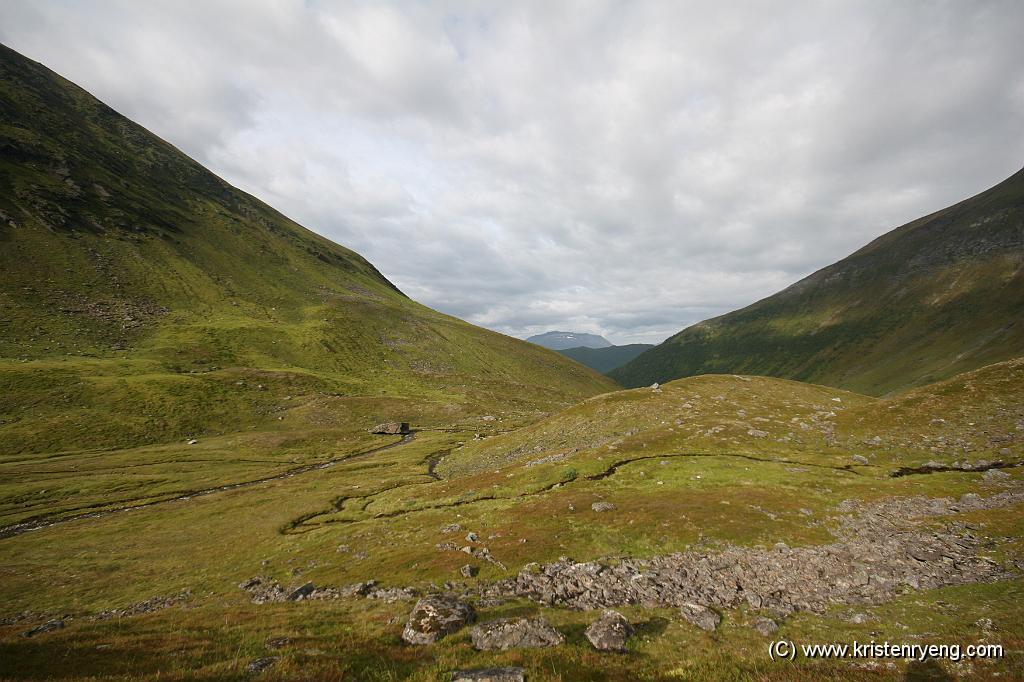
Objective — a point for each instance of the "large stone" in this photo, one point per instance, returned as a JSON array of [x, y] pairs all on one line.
[[515, 633], [391, 428], [489, 675], [602, 506], [766, 626], [48, 626], [701, 616], [260, 664], [434, 617], [610, 632], [301, 592], [357, 589], [278, 642], [264, 590]]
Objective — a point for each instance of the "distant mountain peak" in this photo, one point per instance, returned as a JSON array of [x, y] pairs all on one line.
[[564, 340]]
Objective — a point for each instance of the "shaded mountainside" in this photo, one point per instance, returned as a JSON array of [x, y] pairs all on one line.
[[606, 359], [565, 340], [143, 298], [939, 296]]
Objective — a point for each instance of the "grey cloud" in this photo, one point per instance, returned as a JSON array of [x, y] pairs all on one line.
[[619, 168]]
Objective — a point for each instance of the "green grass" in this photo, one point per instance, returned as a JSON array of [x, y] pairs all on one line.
[[525, 514]]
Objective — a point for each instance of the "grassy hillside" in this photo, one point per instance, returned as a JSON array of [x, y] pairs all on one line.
[[938, 296], [704, 464], [971, 416], [145, 300], [605, 360]]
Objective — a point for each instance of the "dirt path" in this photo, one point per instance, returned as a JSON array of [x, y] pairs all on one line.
[[41, 522]]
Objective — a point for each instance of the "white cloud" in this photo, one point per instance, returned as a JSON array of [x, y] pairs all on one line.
[[619, 168]]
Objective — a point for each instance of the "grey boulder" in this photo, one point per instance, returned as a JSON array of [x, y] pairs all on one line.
[[301, 592], [434, 617], [609, 632], [48, 626], [391, 428], [489, 675], [766, 626], [515, 633], [260, 664], [701, 616]]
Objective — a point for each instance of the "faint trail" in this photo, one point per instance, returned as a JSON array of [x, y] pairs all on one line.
[[40, 522], [846, 469], [305, 522]]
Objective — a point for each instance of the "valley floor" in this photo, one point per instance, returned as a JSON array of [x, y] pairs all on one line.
[[839, 517]]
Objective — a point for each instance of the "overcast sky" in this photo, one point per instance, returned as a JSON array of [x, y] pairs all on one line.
[[624, 168]]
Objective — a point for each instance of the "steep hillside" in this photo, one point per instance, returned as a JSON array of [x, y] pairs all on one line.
[[938, 296], [606, 359], [143, 299]]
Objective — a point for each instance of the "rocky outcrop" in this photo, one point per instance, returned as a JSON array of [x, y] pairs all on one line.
[[48, 626], [766, 626], [148, 606], [879, 554], [265, 590], [701, 616], [489, 675], [610, 632], [391, 429], [260, 664], [515, 633], [300, 592], [434, 617], [277, 642]]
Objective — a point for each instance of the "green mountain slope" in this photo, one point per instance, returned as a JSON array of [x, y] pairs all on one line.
[[973, 416], [606, 359], [144, 299], [939, 296]]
